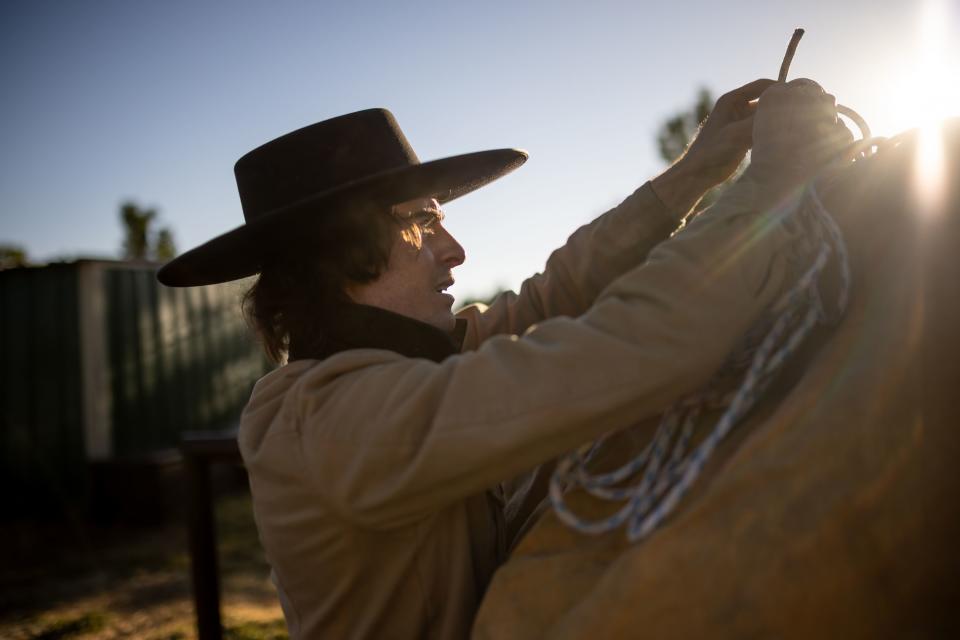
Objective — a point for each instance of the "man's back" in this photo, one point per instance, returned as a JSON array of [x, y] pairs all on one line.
[[340, 578]]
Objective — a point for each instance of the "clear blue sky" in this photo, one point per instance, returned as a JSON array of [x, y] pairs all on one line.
[[155, 101]]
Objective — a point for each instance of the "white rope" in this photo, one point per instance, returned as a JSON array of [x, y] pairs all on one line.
[[665, 468]]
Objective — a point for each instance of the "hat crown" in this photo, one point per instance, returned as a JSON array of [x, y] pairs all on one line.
[[320, 157]]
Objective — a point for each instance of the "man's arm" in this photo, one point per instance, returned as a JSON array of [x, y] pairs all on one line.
[[439, 432], [593, 256], [598, 253], [388, 440]]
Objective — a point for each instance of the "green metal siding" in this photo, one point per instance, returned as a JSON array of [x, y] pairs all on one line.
[[172, 360], [182, 359], [42, 459]]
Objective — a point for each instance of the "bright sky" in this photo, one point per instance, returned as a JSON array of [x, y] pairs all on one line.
[[155, 101]]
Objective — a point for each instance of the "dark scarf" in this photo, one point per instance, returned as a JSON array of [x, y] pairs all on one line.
[[358, 326]]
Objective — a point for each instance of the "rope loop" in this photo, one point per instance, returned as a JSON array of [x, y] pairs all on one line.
[[667, 468]]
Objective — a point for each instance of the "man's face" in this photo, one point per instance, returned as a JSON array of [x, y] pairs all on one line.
[[415, 280]]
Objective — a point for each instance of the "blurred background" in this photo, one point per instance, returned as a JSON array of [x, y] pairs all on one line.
[[119, 126]]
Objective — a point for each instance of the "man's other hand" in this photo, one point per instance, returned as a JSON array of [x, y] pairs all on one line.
[[795, 132], [726, 135], [716, 151]]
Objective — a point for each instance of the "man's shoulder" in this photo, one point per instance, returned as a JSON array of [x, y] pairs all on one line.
[[347, 372], [291, 377], [345, 363], [280, 398]]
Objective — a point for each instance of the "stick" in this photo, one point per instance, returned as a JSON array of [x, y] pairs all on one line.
[[788, 57]]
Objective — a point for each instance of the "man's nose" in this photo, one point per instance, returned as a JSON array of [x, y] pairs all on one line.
[[446, 248]]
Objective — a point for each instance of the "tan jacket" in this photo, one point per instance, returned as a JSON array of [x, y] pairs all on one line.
[[376, 477]]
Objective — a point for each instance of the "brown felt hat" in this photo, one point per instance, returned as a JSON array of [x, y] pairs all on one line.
[[318, 170]]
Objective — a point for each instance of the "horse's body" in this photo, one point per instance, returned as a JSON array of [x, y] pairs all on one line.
[[834, 508]]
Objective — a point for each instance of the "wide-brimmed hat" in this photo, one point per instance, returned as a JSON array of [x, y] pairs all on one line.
[[360, 157]]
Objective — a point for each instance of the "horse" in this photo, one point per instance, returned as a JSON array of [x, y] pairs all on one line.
[[834, 507]]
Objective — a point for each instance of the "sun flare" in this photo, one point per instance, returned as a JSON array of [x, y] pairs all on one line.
[[930, 96], [923, 92]]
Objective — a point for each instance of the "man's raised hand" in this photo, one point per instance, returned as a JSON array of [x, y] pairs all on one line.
[[726, 135], [717, 150], [795, 132]]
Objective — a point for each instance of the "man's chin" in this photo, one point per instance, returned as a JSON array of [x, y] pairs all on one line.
[[445, 322]]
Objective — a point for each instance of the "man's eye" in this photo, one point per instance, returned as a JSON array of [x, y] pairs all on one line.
[[424, 220]]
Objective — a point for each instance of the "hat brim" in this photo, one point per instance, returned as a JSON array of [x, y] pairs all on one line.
[[240, 253]]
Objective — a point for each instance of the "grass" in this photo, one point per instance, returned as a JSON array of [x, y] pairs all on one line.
[[272, 630], [78, 626], [79, 581]]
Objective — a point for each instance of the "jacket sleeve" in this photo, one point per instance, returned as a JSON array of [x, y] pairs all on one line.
[[405, 437], [595, 255]]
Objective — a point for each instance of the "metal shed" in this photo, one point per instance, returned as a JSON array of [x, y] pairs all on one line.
[[101, 363]]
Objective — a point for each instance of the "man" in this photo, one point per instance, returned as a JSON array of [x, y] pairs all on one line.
[[393, 459]]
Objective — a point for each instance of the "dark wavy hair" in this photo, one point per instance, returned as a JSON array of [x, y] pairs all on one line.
[[304, 281]]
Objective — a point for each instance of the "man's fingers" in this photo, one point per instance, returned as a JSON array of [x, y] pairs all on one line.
[[806, 84], [752, 90], [744, 94], [798, 106], [744, 110]]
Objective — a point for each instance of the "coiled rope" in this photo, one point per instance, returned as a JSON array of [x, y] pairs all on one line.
[[666, 469]]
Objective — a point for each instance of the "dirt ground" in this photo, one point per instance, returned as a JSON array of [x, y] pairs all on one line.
[[78, 581]]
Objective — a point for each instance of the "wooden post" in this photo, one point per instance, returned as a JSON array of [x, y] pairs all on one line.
[[203, 548], [200, 449]]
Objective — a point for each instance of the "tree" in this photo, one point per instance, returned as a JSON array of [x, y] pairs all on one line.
[[164, 249], [678, 132], [12, 256], [136, 224], [140, 241]]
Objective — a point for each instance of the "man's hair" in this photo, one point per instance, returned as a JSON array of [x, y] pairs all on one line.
[[301, 285]]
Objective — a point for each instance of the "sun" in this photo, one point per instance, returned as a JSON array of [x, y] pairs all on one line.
[[941, 96], [928, 94]]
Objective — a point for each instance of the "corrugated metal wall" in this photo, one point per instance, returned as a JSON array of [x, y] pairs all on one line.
[[153, 362], [42, 458], [181, 359]]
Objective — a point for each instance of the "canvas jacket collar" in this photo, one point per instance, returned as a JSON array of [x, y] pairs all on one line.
[[359, 326]]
